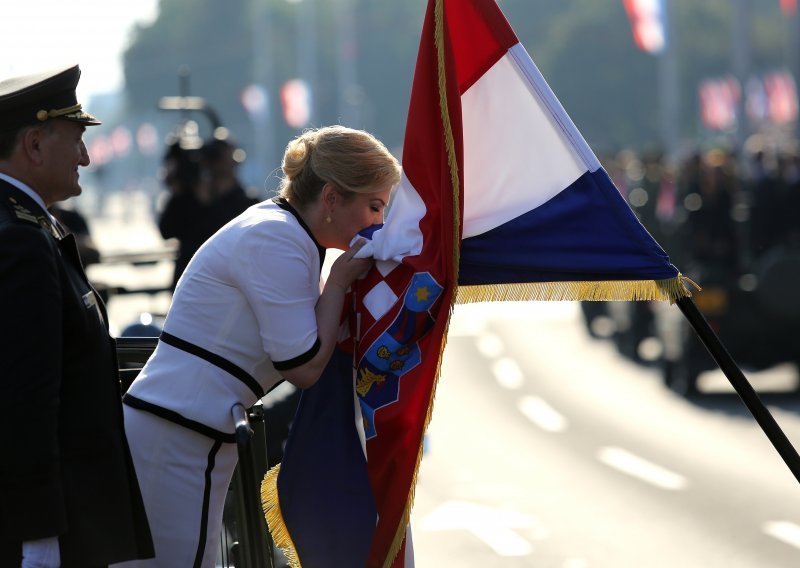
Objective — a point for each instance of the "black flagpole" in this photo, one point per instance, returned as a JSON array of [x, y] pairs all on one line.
[[741, 384]]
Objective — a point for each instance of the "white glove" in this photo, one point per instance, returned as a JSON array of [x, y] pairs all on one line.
[[41, 553]]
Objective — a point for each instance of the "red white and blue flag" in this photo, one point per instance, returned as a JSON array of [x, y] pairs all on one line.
[[781, 95], [647, 19], [501, 198], [719, 101]]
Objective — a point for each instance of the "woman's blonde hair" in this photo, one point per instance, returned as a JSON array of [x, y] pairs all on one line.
[[354, 161]]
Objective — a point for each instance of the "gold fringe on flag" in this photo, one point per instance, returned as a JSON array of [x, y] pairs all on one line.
[[670, 289], [400, 535], [272, 513], [452, 163], [449, 143]]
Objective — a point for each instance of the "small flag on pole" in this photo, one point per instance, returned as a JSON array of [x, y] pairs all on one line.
[[647, 24], [719, 100], [781, 97]]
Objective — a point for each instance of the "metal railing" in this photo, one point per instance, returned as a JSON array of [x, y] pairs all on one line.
[[244, 540]]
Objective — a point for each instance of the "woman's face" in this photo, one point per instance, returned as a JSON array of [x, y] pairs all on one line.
[[348, 217]]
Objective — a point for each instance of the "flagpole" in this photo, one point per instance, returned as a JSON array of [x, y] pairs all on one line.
[[741, 385]]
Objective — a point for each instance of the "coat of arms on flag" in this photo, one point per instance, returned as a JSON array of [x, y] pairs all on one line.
[[501, 198]]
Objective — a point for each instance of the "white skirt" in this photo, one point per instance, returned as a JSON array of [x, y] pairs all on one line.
[[184, 478]]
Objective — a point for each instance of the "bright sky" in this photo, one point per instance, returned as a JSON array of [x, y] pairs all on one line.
[[41, 34]]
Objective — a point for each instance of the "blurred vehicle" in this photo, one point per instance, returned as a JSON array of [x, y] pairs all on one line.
[[734, 232], [741, 238], [629, 325], [756, 316]]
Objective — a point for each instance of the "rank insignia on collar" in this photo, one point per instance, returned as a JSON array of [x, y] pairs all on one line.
[[48, 225]]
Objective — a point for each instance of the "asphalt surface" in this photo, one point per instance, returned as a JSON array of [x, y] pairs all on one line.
[[547, 448]]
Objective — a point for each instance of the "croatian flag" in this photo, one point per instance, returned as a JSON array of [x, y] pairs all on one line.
[[501, 198], [648, 24]]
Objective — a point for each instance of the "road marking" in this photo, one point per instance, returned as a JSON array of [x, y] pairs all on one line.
[[784, 531], [490, 345], [542, 414], [626, 462], [507, 373], [495, 527]]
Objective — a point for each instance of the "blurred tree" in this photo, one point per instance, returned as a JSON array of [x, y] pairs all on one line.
[[584, 48]]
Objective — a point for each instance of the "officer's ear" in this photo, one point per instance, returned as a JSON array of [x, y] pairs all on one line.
[[30, 143]]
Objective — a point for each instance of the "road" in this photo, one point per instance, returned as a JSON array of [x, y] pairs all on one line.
[[548, 449]]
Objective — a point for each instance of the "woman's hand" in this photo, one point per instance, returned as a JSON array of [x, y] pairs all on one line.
[[346, 269]]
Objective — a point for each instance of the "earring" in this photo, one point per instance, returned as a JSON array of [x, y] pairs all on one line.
[[328, 218]]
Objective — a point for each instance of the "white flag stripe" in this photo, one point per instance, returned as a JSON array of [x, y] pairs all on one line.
[[516, 155], [536, 81], [400, 236], [631, 464]]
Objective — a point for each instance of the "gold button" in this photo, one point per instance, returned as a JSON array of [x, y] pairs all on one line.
[[41, 115]]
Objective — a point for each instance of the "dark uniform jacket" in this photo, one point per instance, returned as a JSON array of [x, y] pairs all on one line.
[[65, 466]]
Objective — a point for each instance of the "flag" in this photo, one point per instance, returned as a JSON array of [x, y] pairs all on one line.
[[781, 96], [500, 198], [647, 23], [719, 101]]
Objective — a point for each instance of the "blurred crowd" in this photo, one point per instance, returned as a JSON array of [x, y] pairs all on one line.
[[714, 210]]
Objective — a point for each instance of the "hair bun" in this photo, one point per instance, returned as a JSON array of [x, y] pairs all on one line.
[[298, 153]]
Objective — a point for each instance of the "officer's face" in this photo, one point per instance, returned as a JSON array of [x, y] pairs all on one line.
[[62, 152]]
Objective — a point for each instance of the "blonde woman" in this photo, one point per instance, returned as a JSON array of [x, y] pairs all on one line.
[[248, 312]]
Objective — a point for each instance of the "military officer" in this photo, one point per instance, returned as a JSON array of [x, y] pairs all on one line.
[[68, 491]]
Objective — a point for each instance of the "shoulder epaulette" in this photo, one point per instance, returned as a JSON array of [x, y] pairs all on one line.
[[24, 214]]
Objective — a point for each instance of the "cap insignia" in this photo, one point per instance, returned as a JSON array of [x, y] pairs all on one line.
[[43, 115]]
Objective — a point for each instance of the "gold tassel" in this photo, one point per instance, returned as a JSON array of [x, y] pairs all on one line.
[[670, 289], [272, 513], [452, 162], [400, 534], [449, 143]]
